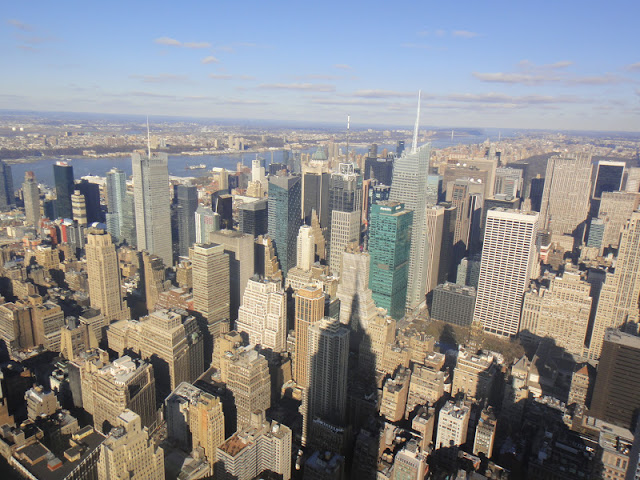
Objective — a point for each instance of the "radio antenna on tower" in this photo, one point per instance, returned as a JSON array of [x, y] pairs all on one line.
[[348, 128], [414, 145], [148, 137]]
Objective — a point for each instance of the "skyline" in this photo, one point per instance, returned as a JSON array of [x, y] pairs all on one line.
[[523, 66]]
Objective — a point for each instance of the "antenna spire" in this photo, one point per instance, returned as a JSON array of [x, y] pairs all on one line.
[[148, 137], [414, 145], [348, 127]]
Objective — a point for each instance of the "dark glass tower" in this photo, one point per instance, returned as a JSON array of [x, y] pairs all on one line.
[[91, 192], [284, 218], [7, 197], [253, 218], [187, 204], [63, 178]]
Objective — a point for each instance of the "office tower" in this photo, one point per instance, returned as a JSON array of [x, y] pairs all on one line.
[[154, 279], [309, 309], [241, 253], [122, 384], [263, 314], [250, 383], [187, 203], [345, 230], [357, 308], [116, 191], [615, 210], [453, 303], [453, 422], [632, 184], [194, 419], [410, 462], [426, 387], [206, 221], [508, 262], [306, 248], [536, 191], [379, 168], [485, 434], [434, 189], [390, 234], [152, 203], [508, 182], [618, 302], [47, 319], [616, 395], [315, 195], [461, 193], [63, 177], [253, 217], [222, 204], [7, 195], [394, 396], [128, 231], [328, 356], [565, 199], [284, 218], [210, 266], [40, 402], [79, 208], [75, 338], [15, 327], [91, 193], [582, 383], [103, 273], [560, 312], [31, 194], [169, 341], [434, 224], [608, 177], [469, 271], [409, 186], [474, 374], [345, 193], [258, 173], [129, 452], [262, 447], [399, 147], [447, 267]]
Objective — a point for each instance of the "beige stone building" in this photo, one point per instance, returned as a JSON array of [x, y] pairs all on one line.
[[394, 396], [474, 374], [250, 383], [427, 386], [309, 309], [615, 209], [129, 453]]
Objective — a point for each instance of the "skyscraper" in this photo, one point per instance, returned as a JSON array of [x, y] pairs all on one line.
[[616, 395], [206, 221], [508, 262], [129, 452], [187, 203], [63, 177], [253, 217], [345, 195], [263, 314], [79, 208], [104, 275], [31, 194], [565, 198], [409, 186], [250, 383], [608, 177], [345, 229], [309, 305], [91, 193], [618, 302], [284, 218], [128, 231], [210, 267], [7, 195], [116, 191], [389, 250], [152, 199], [305, 248], [328, 364]]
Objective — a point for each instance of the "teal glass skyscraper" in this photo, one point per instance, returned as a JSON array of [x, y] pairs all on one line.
[[389, 250], [285, 217]]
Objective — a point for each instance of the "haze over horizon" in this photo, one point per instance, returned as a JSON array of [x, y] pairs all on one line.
[[530, 66]]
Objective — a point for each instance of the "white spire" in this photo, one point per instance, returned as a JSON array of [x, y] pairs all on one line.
[[148, 137], [414, 145], [348, 127]]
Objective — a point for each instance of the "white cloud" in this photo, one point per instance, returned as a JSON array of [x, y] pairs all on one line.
[[160, 78], [20, 25], [209, 59], [633, 67], [312, 87], [383, 94], [342, 66], [220, 76], [172, 42], [464, 34]]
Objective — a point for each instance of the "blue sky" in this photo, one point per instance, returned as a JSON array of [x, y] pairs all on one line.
[[536, 64]]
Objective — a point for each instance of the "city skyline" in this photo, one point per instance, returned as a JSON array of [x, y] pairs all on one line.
[[476, 66]]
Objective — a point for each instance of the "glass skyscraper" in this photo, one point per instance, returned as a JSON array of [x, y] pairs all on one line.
[[63, 178], [116, 190], [389, 248], [187, 200], [285, 217]]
